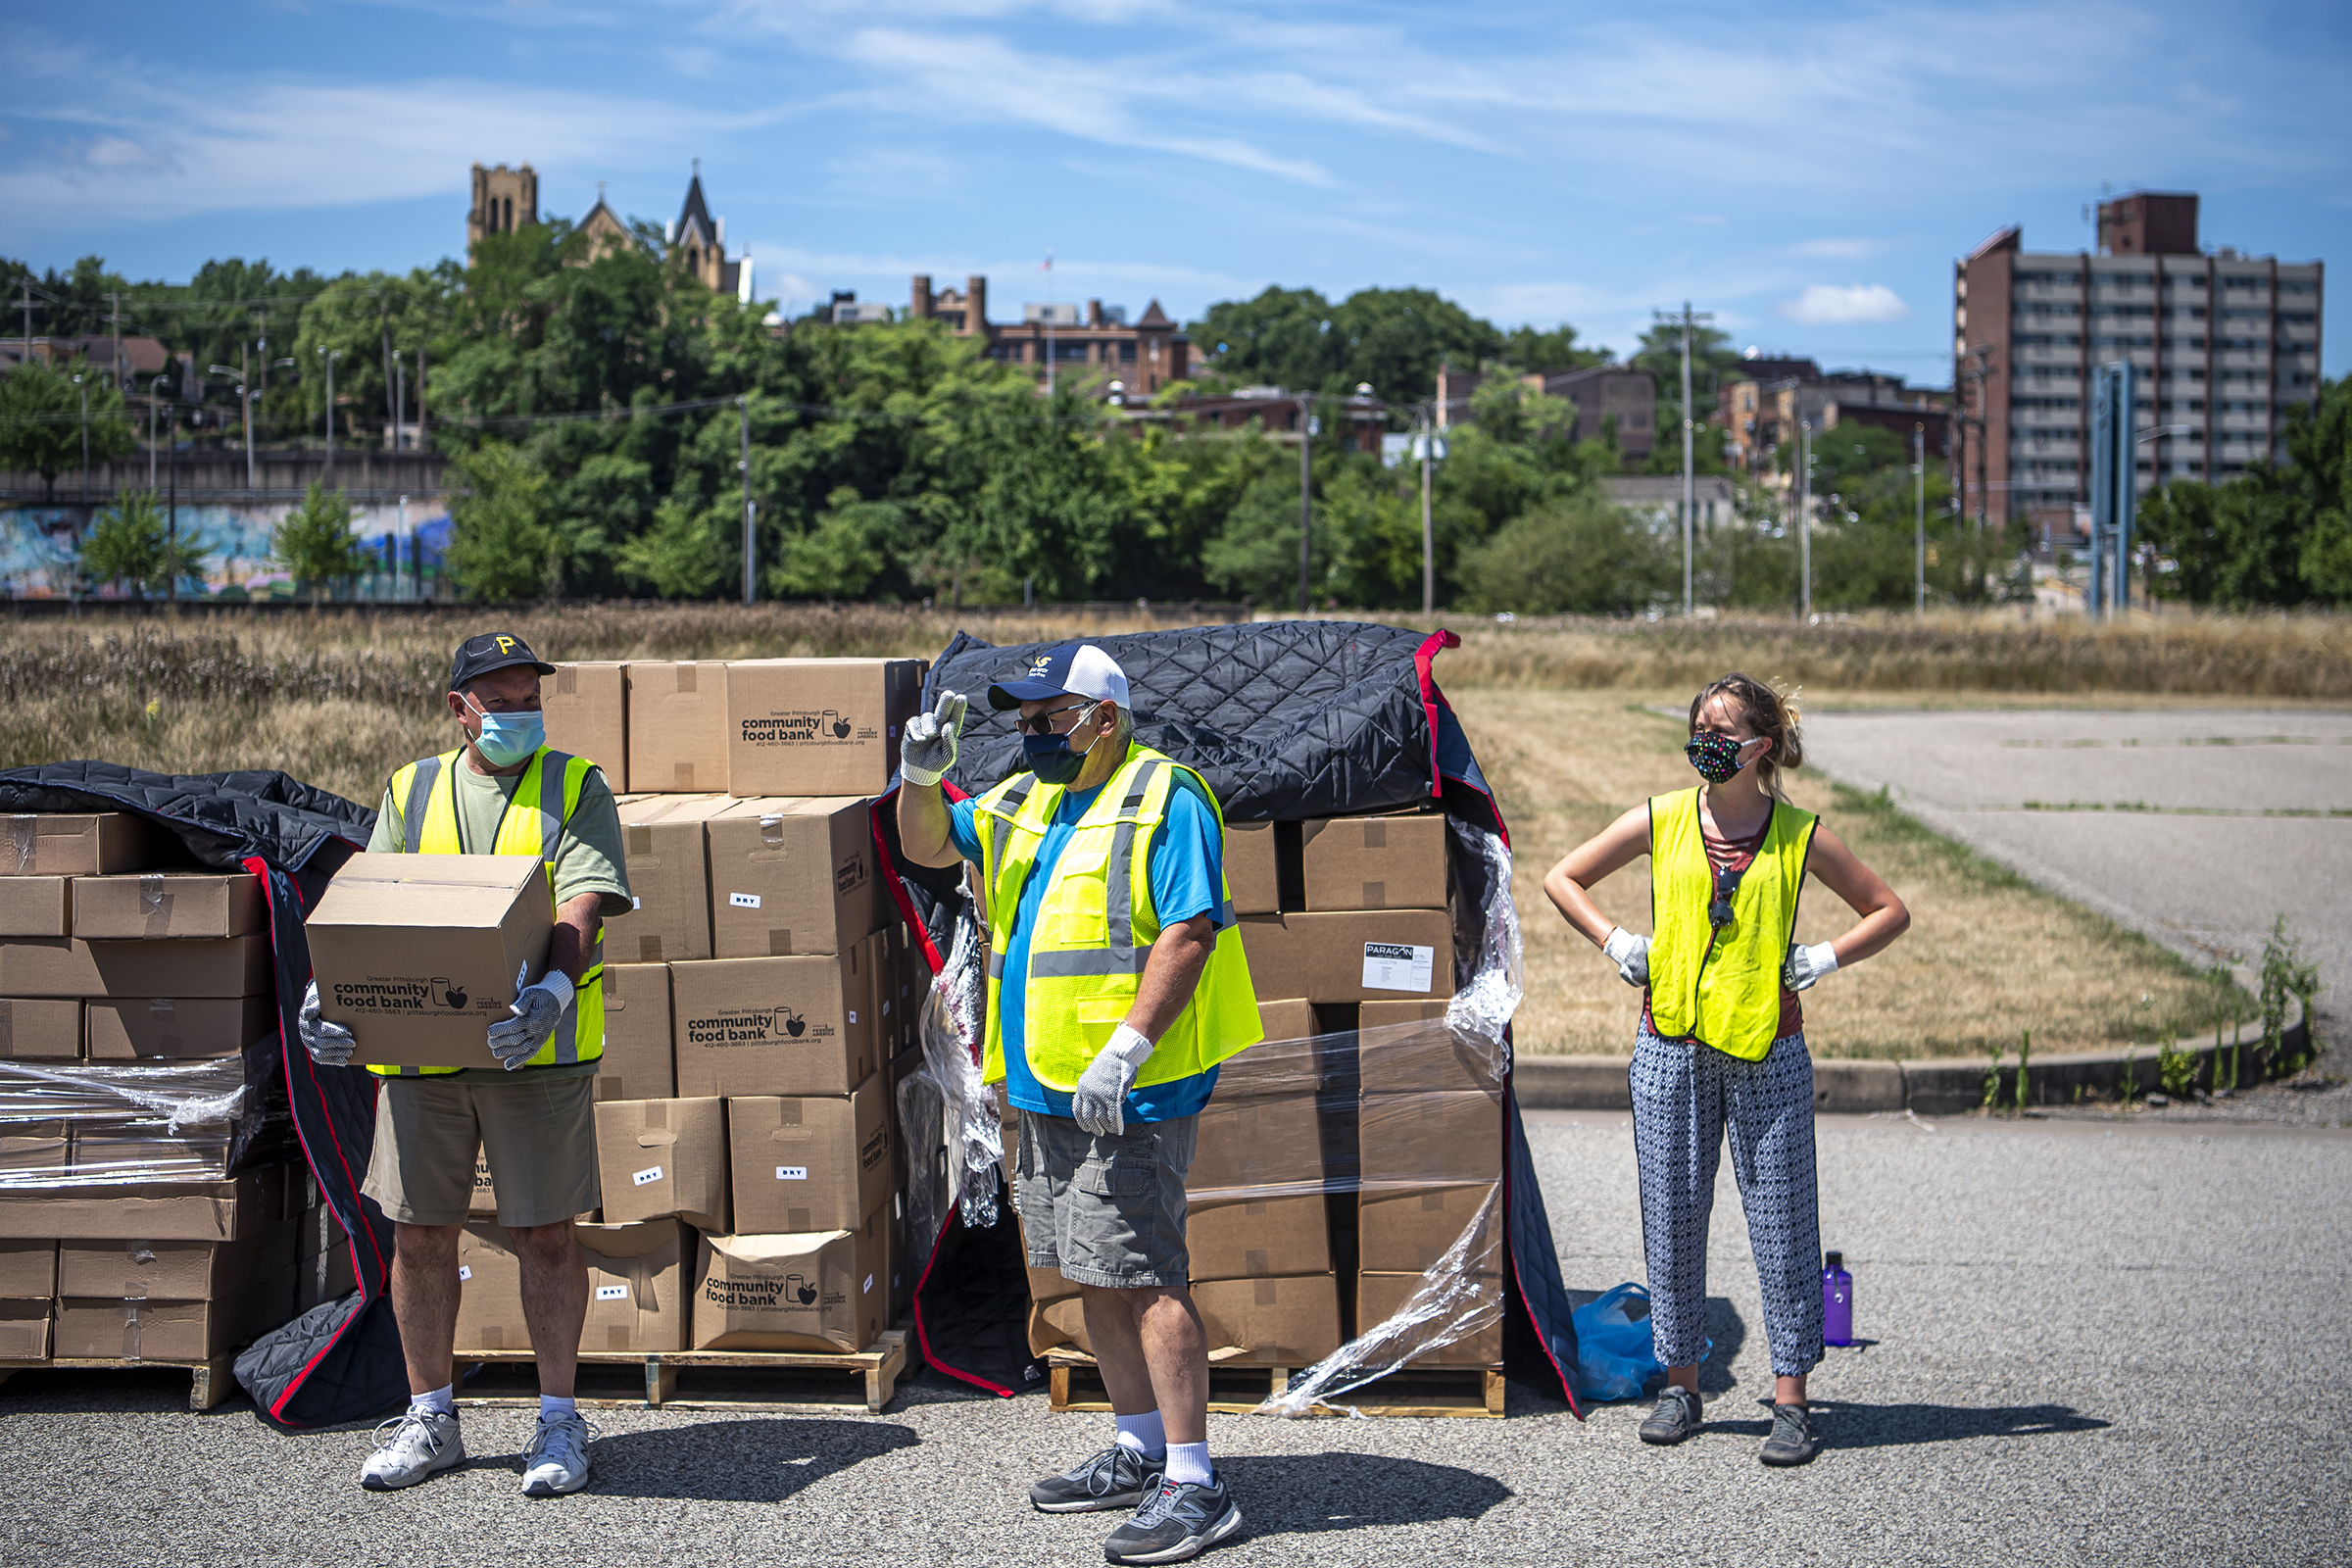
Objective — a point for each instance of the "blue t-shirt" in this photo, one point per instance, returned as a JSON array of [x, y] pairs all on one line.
[[1187, 878]]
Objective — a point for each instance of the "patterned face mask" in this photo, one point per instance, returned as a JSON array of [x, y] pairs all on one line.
[[1716, 757]]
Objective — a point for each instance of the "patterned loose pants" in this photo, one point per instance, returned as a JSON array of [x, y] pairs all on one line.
[[1685, 1098]]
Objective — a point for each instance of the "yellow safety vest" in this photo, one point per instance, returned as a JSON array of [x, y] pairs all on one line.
[[1094, 927], [544, 799], [1721, 987]]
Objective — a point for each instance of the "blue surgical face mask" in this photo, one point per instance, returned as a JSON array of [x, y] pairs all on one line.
[[509, 738], [1049, 757]]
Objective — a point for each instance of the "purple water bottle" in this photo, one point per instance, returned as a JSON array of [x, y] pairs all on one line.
[[1836, 1302]]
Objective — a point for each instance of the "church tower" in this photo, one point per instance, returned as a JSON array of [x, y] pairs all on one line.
[[504, 200], [700, 241]]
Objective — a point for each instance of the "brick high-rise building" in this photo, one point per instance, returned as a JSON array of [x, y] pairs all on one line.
[[2224, 344], [1101, 345]]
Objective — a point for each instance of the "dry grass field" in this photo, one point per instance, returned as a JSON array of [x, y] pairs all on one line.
[[1561, 712]]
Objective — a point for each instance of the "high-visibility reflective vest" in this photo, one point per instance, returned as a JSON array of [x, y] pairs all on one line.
[[1094, 927], [544, 799], [1721, 985]]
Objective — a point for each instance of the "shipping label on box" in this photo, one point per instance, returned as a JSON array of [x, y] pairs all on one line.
[[36, 906], [677, 727], [1257, 1237], [669, 881], [137, 1028], [1381, 1297], [637, 1063], [1374, 863], [235, 966], [1408, 1229], [809, 1163], [819, 1293], [1250, 872], [61, 844], [1430, 1139], [168, 904], [419, 955], [1293, 1321], [40, 1028], [663, 1157], [587, 708], [775, 1026], [792, 876], [817, 726]]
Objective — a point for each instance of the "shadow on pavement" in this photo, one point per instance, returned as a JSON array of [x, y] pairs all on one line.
[[760, 1460], [1894, 1426], [1314, 1493]]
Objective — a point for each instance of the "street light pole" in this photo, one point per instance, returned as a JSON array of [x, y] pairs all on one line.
[[1804, 520], [1919, 474], [750, 559], [85, 433], [1428, 547], [1306, 507], [245, 401]]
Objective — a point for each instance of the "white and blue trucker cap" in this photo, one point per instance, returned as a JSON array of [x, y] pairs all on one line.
[[1080, 669]]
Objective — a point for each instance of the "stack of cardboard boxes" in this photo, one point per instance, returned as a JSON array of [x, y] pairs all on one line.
[[146, 1208]]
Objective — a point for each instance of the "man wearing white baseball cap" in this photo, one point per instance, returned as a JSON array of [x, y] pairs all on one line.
[[1116, 984]]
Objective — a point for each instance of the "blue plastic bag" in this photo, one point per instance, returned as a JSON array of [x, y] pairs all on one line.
[[1614, 1358]]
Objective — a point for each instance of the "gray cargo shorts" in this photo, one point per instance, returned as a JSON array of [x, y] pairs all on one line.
[[1105, 1211]]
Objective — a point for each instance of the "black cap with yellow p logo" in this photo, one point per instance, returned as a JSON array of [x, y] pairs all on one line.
[[479, 656]]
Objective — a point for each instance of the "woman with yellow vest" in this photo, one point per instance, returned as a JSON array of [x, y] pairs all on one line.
[[1116, 984], [501, 791], [1721, 1046]]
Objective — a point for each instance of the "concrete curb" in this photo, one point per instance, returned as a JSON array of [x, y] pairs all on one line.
[[1939, 1087]]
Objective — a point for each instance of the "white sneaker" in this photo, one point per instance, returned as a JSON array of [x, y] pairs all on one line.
[[556, 1462], [420, 1444]]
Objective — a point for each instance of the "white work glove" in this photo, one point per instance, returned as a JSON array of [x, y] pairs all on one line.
[[329, 1044], [1631, 955], [1099, 1102], [537, 1011], [1808, 964], [928, 744]]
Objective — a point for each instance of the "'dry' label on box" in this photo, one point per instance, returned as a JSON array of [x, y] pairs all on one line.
[[1397, 966]]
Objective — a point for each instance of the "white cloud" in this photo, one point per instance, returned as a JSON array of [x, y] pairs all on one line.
[[1845, 305]]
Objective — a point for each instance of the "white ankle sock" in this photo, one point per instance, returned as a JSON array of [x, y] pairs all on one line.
[[1143, 1432], [1188, 1462], [441, 1400], [552, 1408]]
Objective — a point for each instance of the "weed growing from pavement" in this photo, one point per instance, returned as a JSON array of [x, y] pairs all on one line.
[[2284, 974], [2131, 1084], [2025, 1056], [2176, 1068], [1993, 1082]]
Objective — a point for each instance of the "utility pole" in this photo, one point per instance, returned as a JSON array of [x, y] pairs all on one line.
[[116, 295], [420, 397], [171, 532], [245, 399], [1919, 475], [26, 283], [152, 402], [1804, 520], [80, 385], [1306, 505], [750, 559], [331, 355], [399, 398], [1428, 547], [1685, 320]]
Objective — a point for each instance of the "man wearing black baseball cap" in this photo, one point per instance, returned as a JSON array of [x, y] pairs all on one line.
[[503, 791]]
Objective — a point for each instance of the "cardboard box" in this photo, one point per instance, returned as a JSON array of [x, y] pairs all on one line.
[[150, 1151], [28, 1270], [34, 1151], [587, 708], [484, 1199], [792, 876], [40, 1028], [637, 1063], [1292, 1018], [63, 845], [817, 726], [1293, 1321], [1249, 872], [775, 1026], [24, 1331], [175, 1271], [1399, 1052], [489, 1291], [136, 1028], [1381, 1297], [1263, 1144], [68, 966], [36, 906], [636, 1289], [1294, 1062], [172, 1331], [669, 880], [819, 1293], [1381, 955], [1374, 863], [1430, 1139], [809, 1163], [1405, 1230], [420, 953], [169, 904], [1256, 1238], [663, 1157], [677, 727]]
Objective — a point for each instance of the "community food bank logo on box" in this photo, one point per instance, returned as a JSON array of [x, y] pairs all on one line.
[[770, 1294], [827, 727], [402, 996], [754, 1026]]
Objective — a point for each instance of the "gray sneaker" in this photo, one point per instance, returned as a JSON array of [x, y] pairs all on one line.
[[1118, 1477], [1182, 1519], [1794, 1439], [1676, 1417], [556, 1462], [413, 1445]]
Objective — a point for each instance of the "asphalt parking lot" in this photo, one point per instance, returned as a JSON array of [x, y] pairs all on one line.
[[2115, 1341]]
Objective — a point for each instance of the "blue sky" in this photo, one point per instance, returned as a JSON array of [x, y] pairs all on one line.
[[1808, 173]]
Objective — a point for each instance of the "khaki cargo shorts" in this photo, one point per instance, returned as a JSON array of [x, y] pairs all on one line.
[[538, 1138], [1105, 1211]]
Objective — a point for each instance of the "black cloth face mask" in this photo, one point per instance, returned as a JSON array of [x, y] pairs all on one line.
[[1716, 757]]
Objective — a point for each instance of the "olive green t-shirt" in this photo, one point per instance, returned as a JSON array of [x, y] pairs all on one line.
[[588, 860]]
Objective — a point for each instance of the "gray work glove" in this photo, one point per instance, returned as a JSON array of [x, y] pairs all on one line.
[[331, 1044], [1631, 955], [928, 744], [537, 1011], [1808, 964], [1099, 1102]]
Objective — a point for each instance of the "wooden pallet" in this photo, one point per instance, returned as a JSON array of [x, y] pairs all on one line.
[[879, 1366], [212, 1382], [1470, 1391]]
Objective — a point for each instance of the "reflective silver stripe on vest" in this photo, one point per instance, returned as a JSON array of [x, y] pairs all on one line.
[[1118, 894], [1087, 963], [421, 798], [1008, 807], [995, 965], [567, 1036], [552, 766]]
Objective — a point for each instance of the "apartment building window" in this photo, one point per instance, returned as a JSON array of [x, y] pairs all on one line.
[[1127, 352]]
